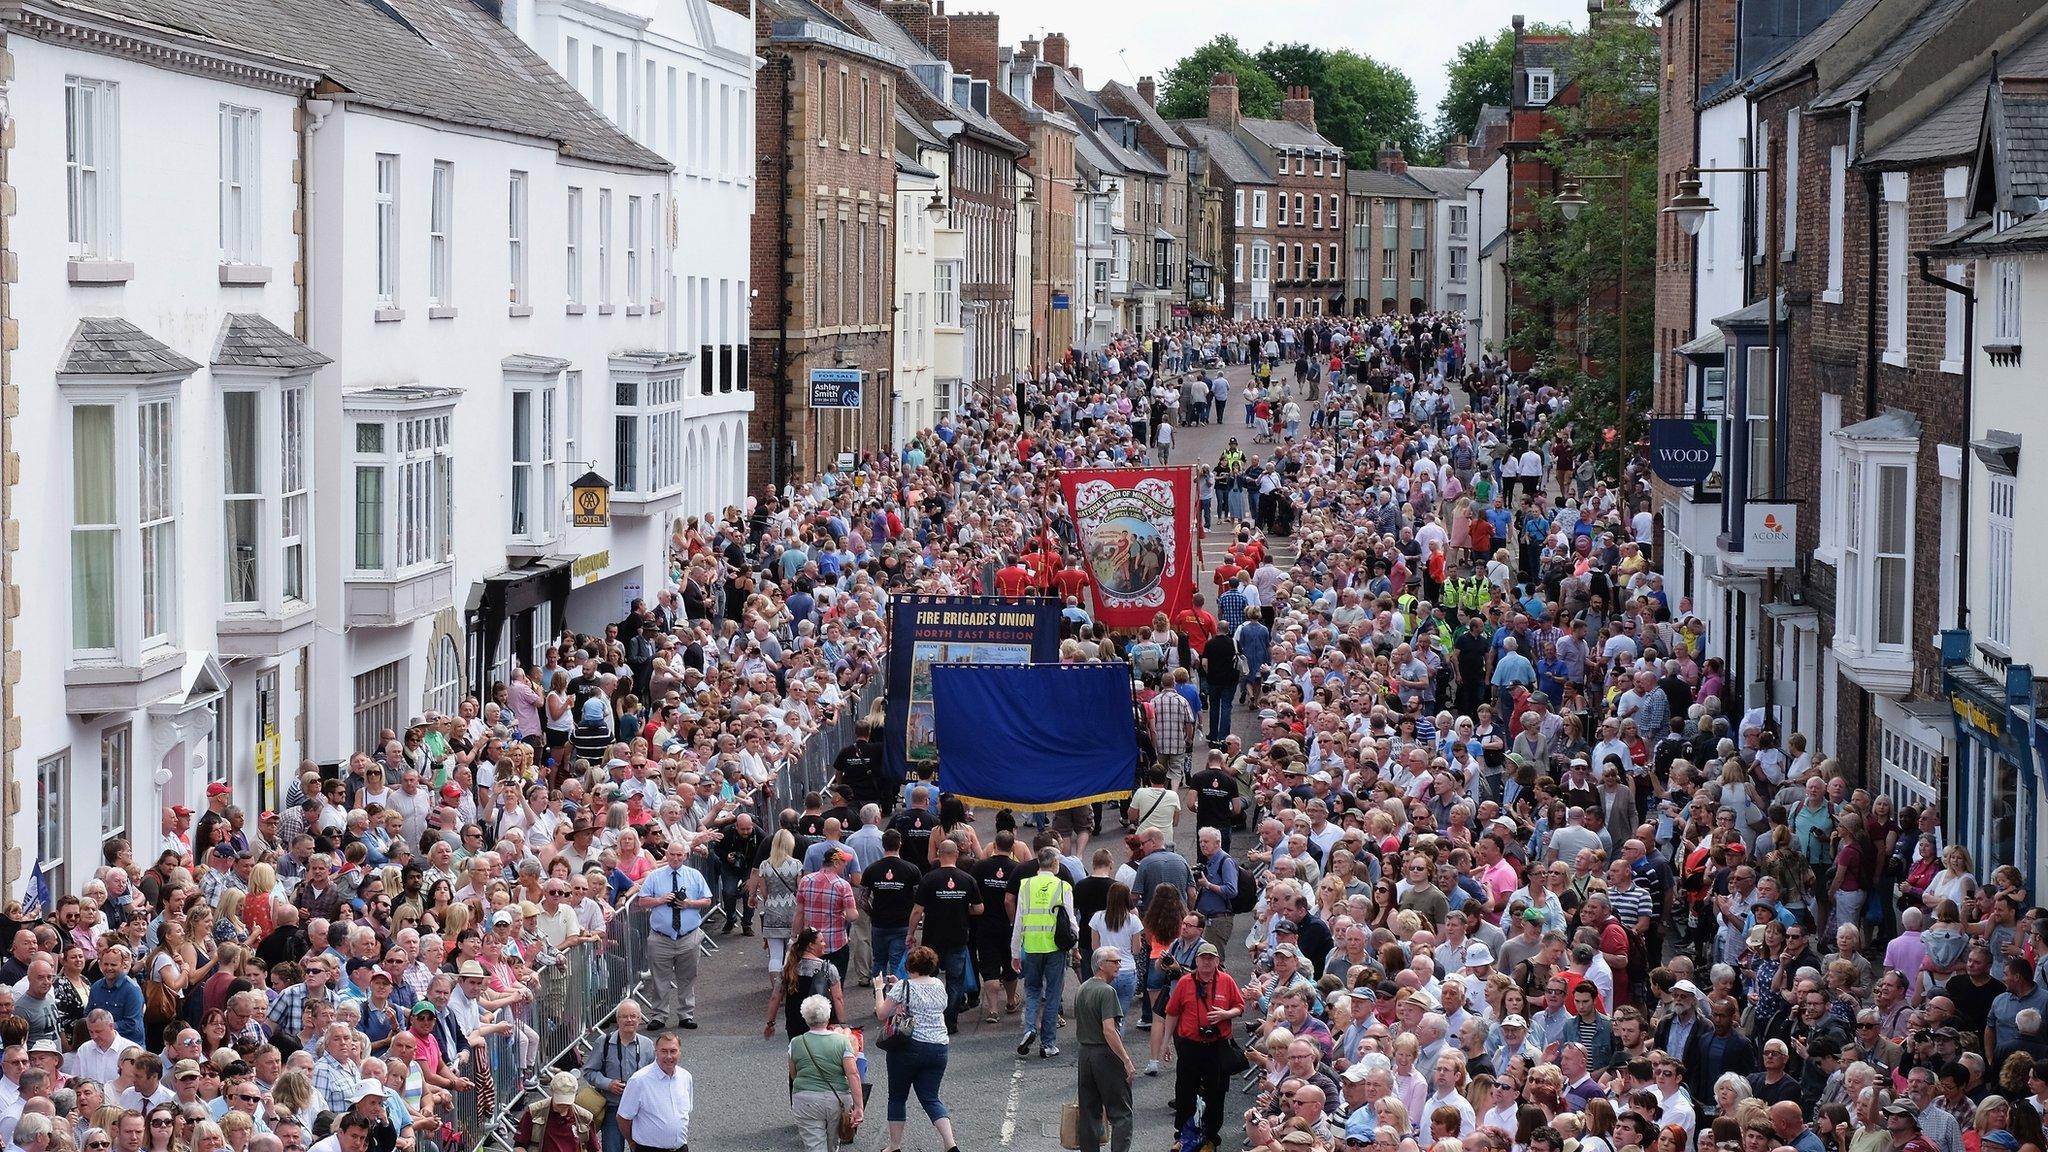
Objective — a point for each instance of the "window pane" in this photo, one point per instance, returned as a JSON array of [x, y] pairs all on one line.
[[241, 474], [1892, 505], [242, 532], [370, 518]]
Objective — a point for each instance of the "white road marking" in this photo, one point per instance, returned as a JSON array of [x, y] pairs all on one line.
[[1009, 1130]]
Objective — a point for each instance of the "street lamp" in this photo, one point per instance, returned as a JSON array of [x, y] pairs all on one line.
[[1688, 206], [1570, 201]]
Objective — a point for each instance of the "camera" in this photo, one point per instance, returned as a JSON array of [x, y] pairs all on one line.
[[1210, 1032]]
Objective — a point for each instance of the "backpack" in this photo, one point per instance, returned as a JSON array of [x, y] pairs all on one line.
[[1148, 657]]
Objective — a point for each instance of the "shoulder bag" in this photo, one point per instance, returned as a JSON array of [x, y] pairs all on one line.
[[848, 1129], [895, 1034]]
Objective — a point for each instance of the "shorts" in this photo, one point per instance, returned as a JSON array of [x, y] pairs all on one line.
[[1076, 821], [992, 958]]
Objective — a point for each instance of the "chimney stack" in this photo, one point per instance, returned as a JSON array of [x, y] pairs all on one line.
[[1458, 153], [1148, 91], [1299, 107], [1029, 47], [1056, 49], [972, 44], [1043, 93], [1392, 159], [1223, 106], [914, 15], [938, 39], [1077, 75]]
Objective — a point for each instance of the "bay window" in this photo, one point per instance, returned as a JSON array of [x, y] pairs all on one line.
[[404, 481], [1874, 578], [264, 497], [535, 472], [647, 423], [124, 521]]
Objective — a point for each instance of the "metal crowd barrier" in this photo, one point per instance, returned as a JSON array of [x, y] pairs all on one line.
[[578, 992]]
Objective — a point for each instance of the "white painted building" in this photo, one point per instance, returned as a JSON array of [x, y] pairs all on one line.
[[678, 77], [1486, 303], [168, 596], [919, 182]]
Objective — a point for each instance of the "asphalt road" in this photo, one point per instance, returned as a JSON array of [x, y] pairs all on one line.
[[997, 1099]]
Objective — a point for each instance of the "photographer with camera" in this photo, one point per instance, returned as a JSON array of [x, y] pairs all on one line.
[[1202, 1010]]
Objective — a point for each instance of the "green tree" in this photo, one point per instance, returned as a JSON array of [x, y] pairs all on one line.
[[1480, 74], [1569, 274], [1185, 95], [1362, 104]]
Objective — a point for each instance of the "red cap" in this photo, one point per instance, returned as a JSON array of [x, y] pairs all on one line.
[[217, 789], [181, 810], [451, 791]]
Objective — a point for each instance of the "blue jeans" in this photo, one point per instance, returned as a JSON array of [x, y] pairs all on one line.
[[1221, 703], [920, 1067], [1126, 985], [888, 947], [1045, 974], [956, 965]]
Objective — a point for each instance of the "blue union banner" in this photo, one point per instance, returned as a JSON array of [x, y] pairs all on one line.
[[1683, 452]]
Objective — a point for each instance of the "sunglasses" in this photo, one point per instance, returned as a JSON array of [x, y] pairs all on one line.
[[160, 1123]]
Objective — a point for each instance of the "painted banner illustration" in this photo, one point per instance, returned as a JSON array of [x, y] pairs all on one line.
[[1137, 534]]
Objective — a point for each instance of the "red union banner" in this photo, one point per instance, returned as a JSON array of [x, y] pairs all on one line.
[[1137, 533]]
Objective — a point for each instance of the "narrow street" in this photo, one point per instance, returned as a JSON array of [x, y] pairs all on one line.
[[998, 1099]]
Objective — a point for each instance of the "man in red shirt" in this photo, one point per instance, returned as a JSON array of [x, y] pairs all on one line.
[[1227, 570], [1196, 623], [1071, 580], [1013, 580], [1203, 1009]]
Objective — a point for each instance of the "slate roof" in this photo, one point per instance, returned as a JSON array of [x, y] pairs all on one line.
[[909, 167], [884, 30], [248, 340], [1802, 54], [1753, 314], [1129, 98], [111, 346], [1373, 182], [445, 60], [1445, 183], [1089, 113], [1225, 151], [2021, 135], [1933, 19], [1976, 238], [1286, 134], [1490, 116], [1950, 130]]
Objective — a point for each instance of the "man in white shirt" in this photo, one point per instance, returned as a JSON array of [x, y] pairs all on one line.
[[654, 1111], [99, 1058]]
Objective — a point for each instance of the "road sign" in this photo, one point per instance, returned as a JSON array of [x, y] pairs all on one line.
[[1060, 302], [835, 387]]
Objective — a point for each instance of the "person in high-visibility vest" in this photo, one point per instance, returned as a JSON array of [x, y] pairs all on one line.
[[1037, 954]]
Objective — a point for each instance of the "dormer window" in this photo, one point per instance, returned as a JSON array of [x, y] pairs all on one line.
[[1542, 85]]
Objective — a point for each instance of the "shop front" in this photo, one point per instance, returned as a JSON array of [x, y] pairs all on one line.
[[1994, 784], [511, 617]]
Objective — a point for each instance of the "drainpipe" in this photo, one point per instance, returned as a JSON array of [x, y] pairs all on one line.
[[1963, 486]]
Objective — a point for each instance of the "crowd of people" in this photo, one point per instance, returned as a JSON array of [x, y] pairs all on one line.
[[1449, 835]]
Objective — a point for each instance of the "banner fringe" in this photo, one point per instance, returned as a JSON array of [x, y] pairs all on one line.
[[984, 802]]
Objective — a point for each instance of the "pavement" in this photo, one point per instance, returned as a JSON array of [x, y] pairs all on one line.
[[997, 1099]]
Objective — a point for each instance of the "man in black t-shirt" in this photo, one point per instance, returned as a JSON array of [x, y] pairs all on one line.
[[858, 768], [947, 901], [996, 873], [739, 848], [916, 823], [890, 885], [1213, 795]]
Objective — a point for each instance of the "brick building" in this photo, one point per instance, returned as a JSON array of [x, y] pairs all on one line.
[[1308, 206], [823, 255], [1245, 189], [1149, 133], [1537, 81], [1390, 238]]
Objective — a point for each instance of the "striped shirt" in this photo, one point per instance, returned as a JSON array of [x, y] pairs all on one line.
[[1631, 906], [822, 900]]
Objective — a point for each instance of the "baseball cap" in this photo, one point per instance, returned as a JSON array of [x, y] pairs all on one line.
[[501, 916], [184, 1068], [217, 789], [562, 1089], [426, 1008], [1287, 927], [1356, 1074], [1207, 949], [1689, 988], [1534, 914], [180, 810], [451, 791], [1904, 1108], [1514, 1020]]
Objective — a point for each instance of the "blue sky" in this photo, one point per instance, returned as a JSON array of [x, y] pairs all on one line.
[[1124, 39]]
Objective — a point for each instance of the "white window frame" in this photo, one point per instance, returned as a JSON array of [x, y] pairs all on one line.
[[1237, 210], [2001, 501], [604, 247], [572, 247], [376, 702], [1457, 264], [241, 170], [92, 167], [1542, 86], [515, 238], [635, 222], [534, 497], [412, 458], [53, 815], [385, 204], [1757, 424], [140, 612], [1258, 208], [1897, 295], [1788, 228], [946, 292], [279, 496], [2005, 311], [647, 432], [1863, 628], [1955, 186], [1460, 220], [1838, 178], [1948, 551], [117, 778], [1237, 268], [572, 414], [1828, 549], [440, 237]]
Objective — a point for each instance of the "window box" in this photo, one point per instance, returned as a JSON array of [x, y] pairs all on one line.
[[100, 271], [401, 563], [243, 275]]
